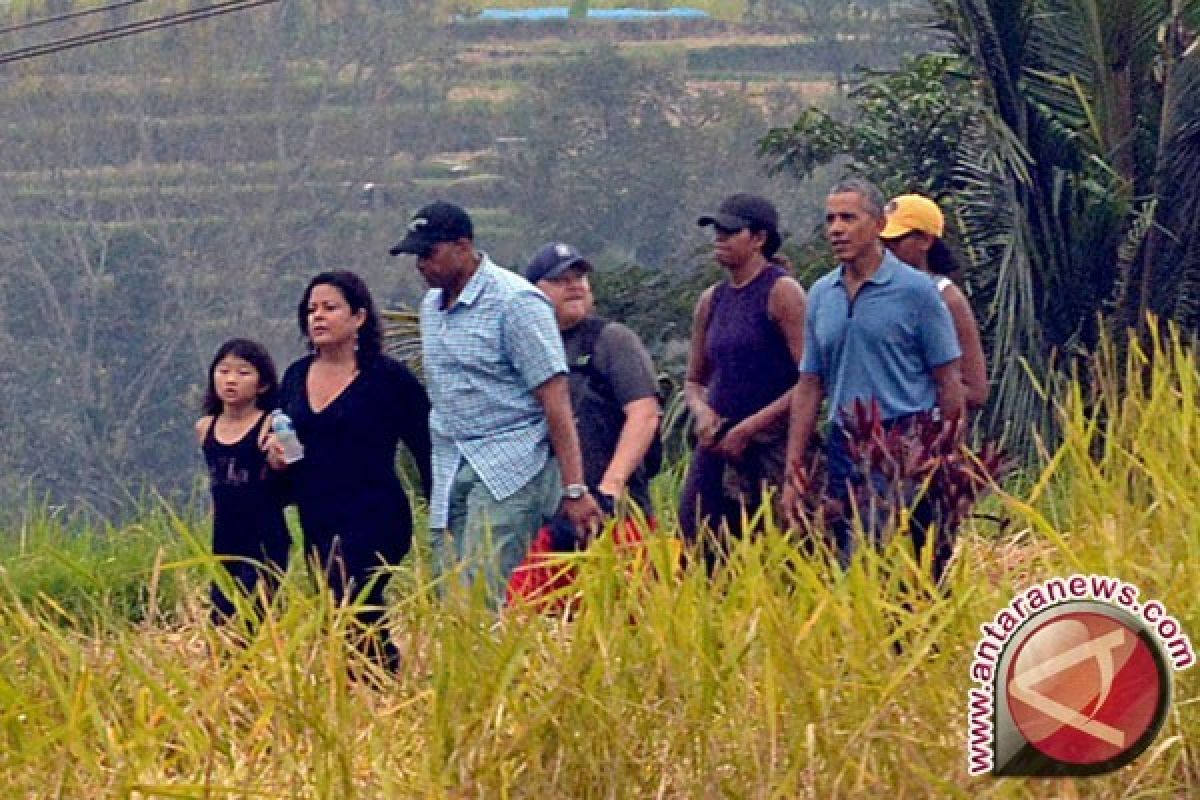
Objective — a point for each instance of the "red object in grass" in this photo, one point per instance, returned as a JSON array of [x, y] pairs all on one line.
[[542, 581]]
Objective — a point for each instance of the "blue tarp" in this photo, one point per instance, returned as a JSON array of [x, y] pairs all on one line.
[[560, 12]]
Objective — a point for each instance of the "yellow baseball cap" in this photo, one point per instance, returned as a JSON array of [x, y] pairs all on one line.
[[913, 212]]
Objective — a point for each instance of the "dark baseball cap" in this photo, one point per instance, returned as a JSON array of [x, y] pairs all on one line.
[[436, 222], [743, 211], [553, 259]]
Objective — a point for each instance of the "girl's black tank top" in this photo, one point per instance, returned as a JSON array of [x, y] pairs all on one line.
[[247, 506]]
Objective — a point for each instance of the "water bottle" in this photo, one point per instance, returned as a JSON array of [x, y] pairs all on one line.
[[285, 434]]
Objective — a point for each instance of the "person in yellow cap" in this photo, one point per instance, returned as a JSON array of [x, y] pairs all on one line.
[[913, 233]]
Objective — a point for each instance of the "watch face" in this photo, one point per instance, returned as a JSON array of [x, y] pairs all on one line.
[[574, 492]]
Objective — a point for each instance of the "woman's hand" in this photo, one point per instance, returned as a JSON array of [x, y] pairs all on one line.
[[707, 425], [274, 452], [733, 444]]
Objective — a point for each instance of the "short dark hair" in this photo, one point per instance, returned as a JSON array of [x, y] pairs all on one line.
[[941, 259], [258, 357], [358, 297], [869, 192]]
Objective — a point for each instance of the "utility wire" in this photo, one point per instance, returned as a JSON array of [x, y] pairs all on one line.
[[131, 29], [37, 23]]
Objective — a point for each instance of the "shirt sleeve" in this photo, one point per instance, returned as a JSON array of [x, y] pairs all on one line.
[[412, 403], [622, 358], [532, 339], [939, 342]]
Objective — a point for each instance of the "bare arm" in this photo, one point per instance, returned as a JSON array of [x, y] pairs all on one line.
[[564, 441], [806, 402], [639, 430], [786, 306], [202, 426], [973, 367], [949, 390], [695, 387], [556, 402]]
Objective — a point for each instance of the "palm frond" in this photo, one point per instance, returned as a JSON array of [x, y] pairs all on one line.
[[992, 34], [1175, 288], [992, 177]]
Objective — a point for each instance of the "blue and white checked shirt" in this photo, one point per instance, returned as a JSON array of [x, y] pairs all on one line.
[[483, 358]]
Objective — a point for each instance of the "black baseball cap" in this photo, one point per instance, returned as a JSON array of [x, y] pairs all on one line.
[[553, 259], [436, 222], [744, 210]]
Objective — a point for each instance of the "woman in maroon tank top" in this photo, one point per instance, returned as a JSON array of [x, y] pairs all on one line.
[[747, 338]]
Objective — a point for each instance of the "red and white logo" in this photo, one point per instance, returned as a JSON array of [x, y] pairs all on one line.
[[1082, 688]]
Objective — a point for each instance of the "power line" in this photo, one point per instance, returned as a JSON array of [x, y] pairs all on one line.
[[37, 23], [131, 29]]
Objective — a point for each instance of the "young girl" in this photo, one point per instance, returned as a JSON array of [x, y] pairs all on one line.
[[249, 532]]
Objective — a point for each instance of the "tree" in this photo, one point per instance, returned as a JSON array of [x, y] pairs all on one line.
[[1086, 119], [167, 192]]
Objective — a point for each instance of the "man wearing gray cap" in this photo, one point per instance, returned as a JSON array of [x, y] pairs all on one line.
[[505, 451], [612, 381]]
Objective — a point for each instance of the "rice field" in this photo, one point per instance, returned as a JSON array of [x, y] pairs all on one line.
[[782, 678]]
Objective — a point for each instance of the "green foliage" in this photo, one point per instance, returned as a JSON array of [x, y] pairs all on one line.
[[654, 302], [1039, 139], [86, 572], [769, 60], [902, 132], [600, 109]]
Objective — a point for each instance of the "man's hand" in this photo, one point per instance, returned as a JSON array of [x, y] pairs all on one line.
[[585, 515], [791, 498]]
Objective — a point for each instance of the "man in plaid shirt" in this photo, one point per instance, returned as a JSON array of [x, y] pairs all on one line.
[[505, 452]]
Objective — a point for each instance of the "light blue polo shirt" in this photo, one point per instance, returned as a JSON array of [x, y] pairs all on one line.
[[884, 345]]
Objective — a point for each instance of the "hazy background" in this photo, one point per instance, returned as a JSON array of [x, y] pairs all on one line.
[[165, 192]]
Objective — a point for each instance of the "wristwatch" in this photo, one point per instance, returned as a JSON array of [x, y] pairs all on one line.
[[574, 491]]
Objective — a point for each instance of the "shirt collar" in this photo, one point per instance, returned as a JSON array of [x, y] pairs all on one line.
[[470, 293], [885, 273]]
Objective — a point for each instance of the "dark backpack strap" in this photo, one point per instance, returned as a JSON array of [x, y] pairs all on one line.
[[589, 334], [584, 364]]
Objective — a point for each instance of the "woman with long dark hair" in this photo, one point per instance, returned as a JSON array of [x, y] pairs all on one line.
[[914, 231], [351, 405]]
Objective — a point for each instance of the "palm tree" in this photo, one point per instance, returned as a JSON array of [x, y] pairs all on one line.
[[1088, 122], [1074, 170]]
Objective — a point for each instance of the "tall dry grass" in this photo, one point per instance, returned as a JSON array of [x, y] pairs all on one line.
[[781, 678]]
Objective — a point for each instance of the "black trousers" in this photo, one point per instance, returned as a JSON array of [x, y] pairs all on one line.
[[349, 564]]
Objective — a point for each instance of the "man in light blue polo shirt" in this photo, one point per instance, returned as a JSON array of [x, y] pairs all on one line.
[[505, 451], [876, 329]]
